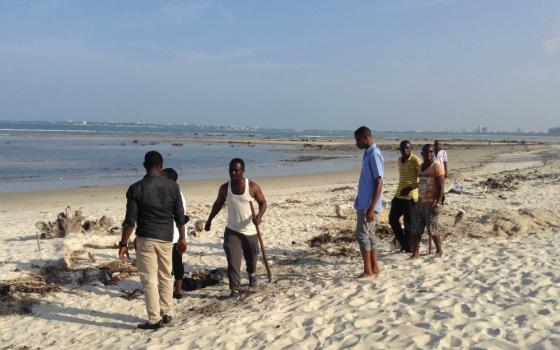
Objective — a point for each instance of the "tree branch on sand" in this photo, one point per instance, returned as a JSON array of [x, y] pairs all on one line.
[[73, 222]]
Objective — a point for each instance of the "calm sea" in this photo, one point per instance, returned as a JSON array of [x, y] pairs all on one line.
[[40, 156], [44, 155]]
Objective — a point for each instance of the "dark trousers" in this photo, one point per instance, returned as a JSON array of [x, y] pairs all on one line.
[[235, 244], [178, 268], [402, 207]]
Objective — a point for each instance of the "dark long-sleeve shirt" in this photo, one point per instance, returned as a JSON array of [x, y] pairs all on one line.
[[153, 204]]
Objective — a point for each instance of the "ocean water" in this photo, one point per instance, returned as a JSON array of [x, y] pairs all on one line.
[[39, 162], [45, 155]]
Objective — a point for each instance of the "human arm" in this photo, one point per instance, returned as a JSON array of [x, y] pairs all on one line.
[[217, 206], [179, 217], [439, 189], [377, 188], [129, 222], [123, 244], [445, 166], [257, 193], [417, 164], [406, 190]]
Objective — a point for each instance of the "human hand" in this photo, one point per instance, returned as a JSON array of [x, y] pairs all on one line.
[[256, 220], [122, 252], [405, 191], [182, 245], [370, 215], [436, 210]]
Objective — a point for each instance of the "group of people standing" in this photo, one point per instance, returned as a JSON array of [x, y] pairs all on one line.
[[420, 192], [156, 209]]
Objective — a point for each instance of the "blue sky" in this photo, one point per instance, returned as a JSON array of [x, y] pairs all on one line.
[[391, 65]]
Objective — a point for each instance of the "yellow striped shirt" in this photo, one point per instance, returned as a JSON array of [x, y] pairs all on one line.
[[408, 175]]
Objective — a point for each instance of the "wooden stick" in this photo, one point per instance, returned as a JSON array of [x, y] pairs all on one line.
[[38, 243], [265, 260]]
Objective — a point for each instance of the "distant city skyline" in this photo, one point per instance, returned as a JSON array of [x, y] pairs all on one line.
[[392, 65]]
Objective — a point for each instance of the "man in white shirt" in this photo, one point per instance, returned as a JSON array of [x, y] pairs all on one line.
[[240, 236], [177, 256]]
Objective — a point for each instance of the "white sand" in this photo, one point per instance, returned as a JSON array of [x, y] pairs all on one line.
[[498, 292]]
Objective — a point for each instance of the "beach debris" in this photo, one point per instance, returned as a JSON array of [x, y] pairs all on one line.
[[340, 213], [458, 217], [103, 224], [107, 246], [131, 294], [384, 231], [177, 144], [202, 279], [199, 227], [73, 222], [18, 296], [343, 188], [293, 201], [506, 182]]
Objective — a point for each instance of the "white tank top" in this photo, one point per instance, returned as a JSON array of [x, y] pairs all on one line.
[[240, 218]]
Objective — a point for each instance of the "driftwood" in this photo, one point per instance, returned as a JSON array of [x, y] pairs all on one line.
[[73, 222], [458, 217], [343, 188], [107, 246]]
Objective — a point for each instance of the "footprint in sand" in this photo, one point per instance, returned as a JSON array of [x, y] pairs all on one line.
[[493, 332], [544, 312], [467, 310]]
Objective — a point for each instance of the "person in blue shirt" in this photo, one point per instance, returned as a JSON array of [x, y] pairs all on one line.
[[369, 199]]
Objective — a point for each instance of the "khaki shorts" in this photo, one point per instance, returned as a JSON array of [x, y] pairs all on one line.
[[365, 232]]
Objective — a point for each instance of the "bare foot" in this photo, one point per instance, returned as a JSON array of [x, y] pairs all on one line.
[[439, 254], [366, 275], [415, 256]]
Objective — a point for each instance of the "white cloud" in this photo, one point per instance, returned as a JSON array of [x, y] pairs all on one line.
[[552, 45]]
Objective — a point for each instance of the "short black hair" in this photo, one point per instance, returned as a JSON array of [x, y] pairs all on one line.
[[426, 146], [153, 159], [362, 131], [404, 143], [171, 174], [237, 160]]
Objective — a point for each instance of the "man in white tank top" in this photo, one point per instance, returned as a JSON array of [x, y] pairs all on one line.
[[240, 237]]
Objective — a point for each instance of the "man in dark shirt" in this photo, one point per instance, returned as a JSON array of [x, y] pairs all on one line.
[[153, 204]]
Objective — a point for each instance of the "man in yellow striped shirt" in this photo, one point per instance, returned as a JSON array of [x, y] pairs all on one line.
[[403, 202]]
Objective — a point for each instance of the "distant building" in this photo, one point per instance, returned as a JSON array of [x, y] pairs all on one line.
[[554, 131]]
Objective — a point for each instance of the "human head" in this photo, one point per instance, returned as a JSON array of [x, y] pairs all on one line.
[[428, 153], [236, 169], [153, 160], [406, 148], [363, 137], [171, 174], [437, 145]]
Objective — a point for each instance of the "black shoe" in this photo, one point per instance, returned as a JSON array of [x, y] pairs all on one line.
[[178, 295], [234, 295], [152, 326], [166, 319], [253, 281]]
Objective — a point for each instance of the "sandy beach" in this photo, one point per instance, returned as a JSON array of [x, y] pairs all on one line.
[[497, 286]]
